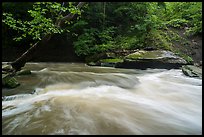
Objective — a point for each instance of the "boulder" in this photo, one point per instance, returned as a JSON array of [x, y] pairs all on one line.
[[9, 81], [192, 71], [143, 59]]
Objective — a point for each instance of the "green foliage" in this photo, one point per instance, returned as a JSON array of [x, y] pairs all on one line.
[[108, 26], [157, 40], [85, 44], [92, 41], [185, 14], [177, 23], [108, 35], [43, 17], [129, 42], [188, 59], [139, 25]]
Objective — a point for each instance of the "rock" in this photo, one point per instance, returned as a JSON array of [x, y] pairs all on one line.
[[23, 72], [192, 71], [97, 57], [150, 48], [152, 59], [200, 63], [9, 81], [7, 68], [93, 64], [123, 53], [110, 62], [106, 62], [4, 72]]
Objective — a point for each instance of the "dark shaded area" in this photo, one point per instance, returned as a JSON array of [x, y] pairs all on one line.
[[195, 49], [58, 49], [147, 64]]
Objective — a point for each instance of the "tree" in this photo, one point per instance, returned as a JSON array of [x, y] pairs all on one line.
[[48, 18]]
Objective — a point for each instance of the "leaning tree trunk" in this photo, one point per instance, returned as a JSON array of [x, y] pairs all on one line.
[[28, 55]]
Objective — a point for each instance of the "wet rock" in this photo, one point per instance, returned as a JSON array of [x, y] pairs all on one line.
[[33, 92], [7, 68], [152, 59], [122, 53], [4, 72], [9, 81], [106, 62], [192, 71], [110, 62], [93, 64], [23, 72]]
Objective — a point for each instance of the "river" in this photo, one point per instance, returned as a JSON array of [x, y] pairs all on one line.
[[72, 98]]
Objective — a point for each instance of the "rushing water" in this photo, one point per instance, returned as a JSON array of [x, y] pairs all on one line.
[[64, 98]]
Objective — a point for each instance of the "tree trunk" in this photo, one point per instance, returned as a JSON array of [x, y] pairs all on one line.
[[27, 56]]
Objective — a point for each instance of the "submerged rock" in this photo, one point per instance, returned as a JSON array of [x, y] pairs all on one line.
[[23, 72], [192, 71], [9, 81], [93, 64], [152, 59], [7, 68]]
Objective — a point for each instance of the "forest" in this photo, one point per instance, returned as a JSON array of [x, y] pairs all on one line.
[[105, 26], [68, 66]]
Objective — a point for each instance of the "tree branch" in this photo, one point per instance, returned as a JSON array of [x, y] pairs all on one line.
[[69, 16]]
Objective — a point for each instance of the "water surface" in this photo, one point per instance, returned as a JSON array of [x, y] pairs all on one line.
[[72, 98]]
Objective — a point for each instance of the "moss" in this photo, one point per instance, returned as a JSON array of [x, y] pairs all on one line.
[[192, 71], [146, 55], [136, 55], [111, 60], [187, 58], [9, 82]]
